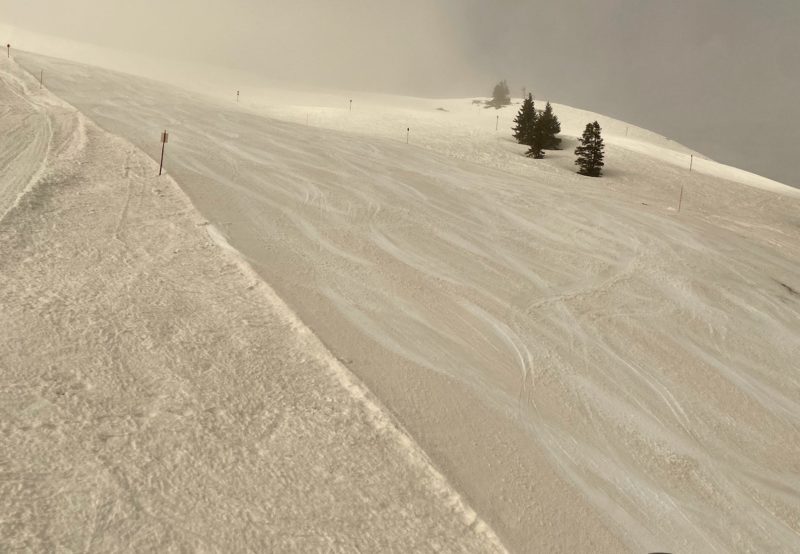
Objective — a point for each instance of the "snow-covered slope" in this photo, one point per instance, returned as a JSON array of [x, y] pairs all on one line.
[[155, 395], [592, 369], [465, 130]]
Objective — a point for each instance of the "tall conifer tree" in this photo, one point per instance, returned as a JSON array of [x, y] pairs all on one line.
[[550, 128], [537, 139], [591, 151], [525, 121]]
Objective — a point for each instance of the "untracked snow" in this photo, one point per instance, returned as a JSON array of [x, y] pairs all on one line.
[[155, 394], [593, 369]]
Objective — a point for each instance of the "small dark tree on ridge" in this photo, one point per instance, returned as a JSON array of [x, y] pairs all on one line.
[[501, 96], [550, 128], [591, 151], [525, 121]]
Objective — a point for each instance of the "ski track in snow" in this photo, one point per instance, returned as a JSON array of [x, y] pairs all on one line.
[[650, 356], [156, 395], [32, 132]]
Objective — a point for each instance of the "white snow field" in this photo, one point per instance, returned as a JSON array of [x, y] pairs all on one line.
[[592, 369], [155, 394]]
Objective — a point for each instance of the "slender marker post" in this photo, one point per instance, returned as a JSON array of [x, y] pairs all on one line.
[[408, 134], [237, 96], [41, 79], [497, 125], [680, 200], [351, 105], [164, 140], [691, 163], [8, 51]]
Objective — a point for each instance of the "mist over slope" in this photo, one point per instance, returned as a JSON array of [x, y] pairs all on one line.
[[718, 75], [587, 365]]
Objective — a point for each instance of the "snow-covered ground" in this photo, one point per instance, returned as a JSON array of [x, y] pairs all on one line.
[[592, 369], [155, 394]]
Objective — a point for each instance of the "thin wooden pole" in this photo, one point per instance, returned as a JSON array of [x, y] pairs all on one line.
[[680, 200], [497, 125], [408, 134], [691, 162], [164, 138]]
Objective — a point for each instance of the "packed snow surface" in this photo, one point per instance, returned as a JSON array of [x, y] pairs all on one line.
[[155, 394], [593, 367]]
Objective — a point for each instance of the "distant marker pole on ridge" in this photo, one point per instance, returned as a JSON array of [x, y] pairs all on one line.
[[164, 140], [351, 105], [8, 51], [497, 125], [237, 96], [691, 162], [408, 134], [680, 200]]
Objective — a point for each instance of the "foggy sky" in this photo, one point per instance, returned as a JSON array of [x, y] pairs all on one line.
[[721, 76]]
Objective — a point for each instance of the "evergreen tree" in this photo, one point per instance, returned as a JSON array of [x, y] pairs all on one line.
[[591, 151], [525, 121], [550, 128], [501, 96], [537, 140]]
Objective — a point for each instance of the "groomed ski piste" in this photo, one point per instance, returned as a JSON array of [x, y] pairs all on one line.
[[156, 395], [591, 366]]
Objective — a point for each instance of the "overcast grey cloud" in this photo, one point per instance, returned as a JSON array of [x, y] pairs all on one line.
[[721, 76]]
